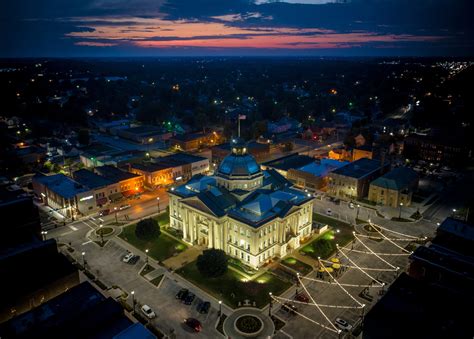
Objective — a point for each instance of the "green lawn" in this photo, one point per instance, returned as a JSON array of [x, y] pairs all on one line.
[[163, 218], [297, 265], [232, 287], [325, 245], [160, 248]]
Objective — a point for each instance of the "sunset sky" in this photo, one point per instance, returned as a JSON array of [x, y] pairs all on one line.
[[33, 28]]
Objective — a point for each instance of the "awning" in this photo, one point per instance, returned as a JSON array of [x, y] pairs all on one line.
[[101, 201], [130, 193], [116, 196]]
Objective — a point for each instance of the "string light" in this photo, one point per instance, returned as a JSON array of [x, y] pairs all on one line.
[[385, 261], [342, 287], [313, 321], [364, 268], [314, 302], [402, 234], [320, 305], [390, 241], [379, 238], [341, 284], [381, 254]]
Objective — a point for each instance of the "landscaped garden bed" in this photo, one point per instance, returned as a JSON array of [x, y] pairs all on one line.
[[296, 265]]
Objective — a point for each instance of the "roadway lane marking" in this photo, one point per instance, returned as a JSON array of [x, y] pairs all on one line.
[[72, 227], [85, 243], [289, 336], [65, 233]]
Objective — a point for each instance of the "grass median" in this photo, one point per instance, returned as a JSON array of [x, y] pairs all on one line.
[[160, 247]]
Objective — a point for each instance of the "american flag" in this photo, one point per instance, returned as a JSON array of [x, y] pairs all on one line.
[[242, 117]]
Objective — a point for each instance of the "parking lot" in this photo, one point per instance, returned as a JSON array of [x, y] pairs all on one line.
[[106, 263]]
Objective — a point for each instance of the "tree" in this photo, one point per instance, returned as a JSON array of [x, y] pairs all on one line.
[[212, 263], [83, 137], [147, 229]]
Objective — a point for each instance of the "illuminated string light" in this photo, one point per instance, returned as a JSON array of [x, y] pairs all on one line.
[[341, 284], [320, 305], [317, 306], [342, 287], [385, 261], [402, 234], [311, 320], [390, 241], [364, 268], [394, 239]]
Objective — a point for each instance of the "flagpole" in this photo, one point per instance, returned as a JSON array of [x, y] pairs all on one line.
[[238, 118]]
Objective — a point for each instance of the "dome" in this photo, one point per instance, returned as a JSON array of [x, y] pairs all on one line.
[[239, 165]]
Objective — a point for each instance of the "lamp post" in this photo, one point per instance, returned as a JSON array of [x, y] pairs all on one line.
[[43, 234], [220, 309], [297, 283], [84, 259], [158, 202], [146, 251], [101, 234], [133, 300], [271, 305], [358, 210], [116, 219], [454, 212], [400, 211]]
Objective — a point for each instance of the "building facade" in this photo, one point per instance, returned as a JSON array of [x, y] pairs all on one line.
[[252, 215], [395, 188]]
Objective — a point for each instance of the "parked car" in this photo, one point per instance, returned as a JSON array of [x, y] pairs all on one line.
[[193, 324], [328, 211], [203, 307], [134, 260], [128, 257], [104, 212], [351, 205], [302, 297], [148, 312], [289, 308], [182, 293], [189, 298], [124, 207], [342, 324]]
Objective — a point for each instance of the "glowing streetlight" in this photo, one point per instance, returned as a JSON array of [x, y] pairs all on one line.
[[158, 202]]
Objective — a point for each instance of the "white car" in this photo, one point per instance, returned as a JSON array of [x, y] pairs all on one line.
[[351, 205], [148, 312], [128, 257], [124, 207], [328, 211], [342, 324]]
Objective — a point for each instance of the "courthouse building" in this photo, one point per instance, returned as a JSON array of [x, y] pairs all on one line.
[[252, 215]]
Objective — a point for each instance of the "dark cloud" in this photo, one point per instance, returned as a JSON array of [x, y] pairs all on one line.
[[42, 27]]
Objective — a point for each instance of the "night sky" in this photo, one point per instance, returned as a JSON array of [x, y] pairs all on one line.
[[56, 28]]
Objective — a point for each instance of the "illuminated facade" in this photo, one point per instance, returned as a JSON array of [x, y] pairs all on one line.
[[252, 215]]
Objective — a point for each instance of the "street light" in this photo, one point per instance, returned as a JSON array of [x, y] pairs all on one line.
[[454, 212], [115, 209], [84, 259], [358, 209], [146, 251], [133, 300], [158, 202], [220, 308], [43, 233], [271, 305], [400, 211], [101, 234]]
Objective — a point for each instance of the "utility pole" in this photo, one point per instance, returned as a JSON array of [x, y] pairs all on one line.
[[270, 305]]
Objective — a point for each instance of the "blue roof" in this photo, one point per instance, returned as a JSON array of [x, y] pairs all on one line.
[[359, 168], [90, 179], [322, 168], [239, 165], [135, 331], [61, 185]]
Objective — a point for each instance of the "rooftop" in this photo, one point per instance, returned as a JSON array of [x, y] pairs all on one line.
[[290, 161], [189, 136], [397, 179], [61, 185], [90, 179], [114, 174], [359, 168], [458, 228], [323, 167]]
